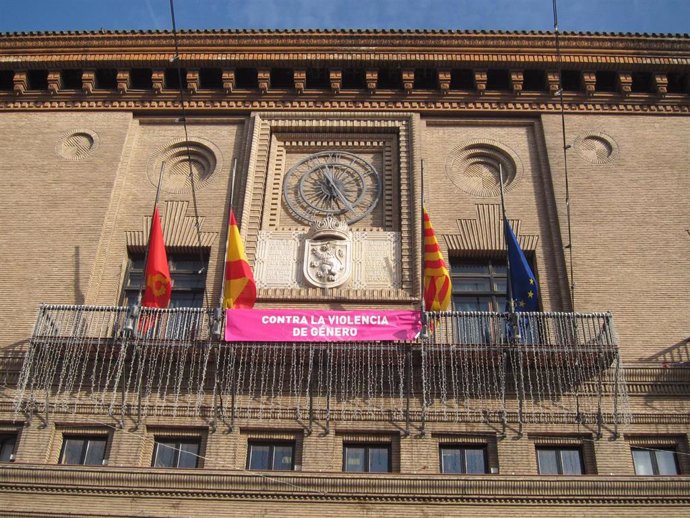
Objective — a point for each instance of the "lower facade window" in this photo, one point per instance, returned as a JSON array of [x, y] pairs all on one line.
[[274, 456], [655, 461], [463, 459], [367, 458], [7, 445], [176, 453], [83, 450], [560, 461]]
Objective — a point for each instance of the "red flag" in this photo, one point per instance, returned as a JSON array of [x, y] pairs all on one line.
[[240, 288], [437, 287], [157, 272]]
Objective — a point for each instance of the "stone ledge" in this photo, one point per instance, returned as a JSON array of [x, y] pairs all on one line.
[[149, 482]]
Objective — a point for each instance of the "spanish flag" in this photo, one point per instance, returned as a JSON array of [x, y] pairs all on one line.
[[437, 287], [240, 288], [156, 272]]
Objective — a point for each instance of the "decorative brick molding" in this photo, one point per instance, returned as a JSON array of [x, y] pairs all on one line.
[[485, 232], [176, 157], [77, 144], [179, 229], [473, 167], [338, 487], [277, 133]]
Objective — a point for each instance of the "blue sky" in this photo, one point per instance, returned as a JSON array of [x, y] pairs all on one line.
[[670, 16]]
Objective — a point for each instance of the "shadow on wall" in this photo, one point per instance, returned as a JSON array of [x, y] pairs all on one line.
[[78, 293], [678, 355]]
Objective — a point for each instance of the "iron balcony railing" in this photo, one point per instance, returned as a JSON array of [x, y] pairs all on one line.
[[557, 330], [464, 366]]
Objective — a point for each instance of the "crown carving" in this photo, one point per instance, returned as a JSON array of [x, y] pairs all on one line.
[[329, 227]]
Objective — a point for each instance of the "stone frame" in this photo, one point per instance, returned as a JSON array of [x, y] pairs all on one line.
[[274, 133]]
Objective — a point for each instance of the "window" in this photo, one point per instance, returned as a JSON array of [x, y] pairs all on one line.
[[83, 450], [560, 461], [176, 453], [188, 272], [463, 459], [367, 458], [479, 285], [277, 456], [658, 461], [7, 444]]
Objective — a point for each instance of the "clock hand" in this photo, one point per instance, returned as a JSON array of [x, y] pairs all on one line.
[[338, 192]]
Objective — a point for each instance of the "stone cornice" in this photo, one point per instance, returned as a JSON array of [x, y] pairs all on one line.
[[332, 47], [393, 103], [202, 483]]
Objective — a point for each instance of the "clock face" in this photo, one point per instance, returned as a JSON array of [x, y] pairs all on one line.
[[334, 183]]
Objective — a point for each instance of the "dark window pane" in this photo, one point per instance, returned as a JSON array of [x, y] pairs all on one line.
[[72, 451], [282, 458], [666, 461], [548, 465], [7, 443], [188, 455], [165, 455], [474, 459], [95, 451], [499, 268], [259, 456], [470, 284], [354, 459], [378, 460], [501, 285], [570, 460], [451, 460], [643, 462], [460, 266]]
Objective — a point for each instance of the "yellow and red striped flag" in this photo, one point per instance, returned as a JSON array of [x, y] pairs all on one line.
[[240, 288], [437, 287]]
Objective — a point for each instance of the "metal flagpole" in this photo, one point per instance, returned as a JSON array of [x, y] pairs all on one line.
[[512, 316], [219, 309], [511, 302], [232, 196]]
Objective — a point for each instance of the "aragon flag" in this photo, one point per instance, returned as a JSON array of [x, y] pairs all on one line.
[[157, 272], [437, 286], [240, 288]]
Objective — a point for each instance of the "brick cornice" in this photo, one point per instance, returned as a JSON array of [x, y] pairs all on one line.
[[468, 48], [208, 104], [203, 483]]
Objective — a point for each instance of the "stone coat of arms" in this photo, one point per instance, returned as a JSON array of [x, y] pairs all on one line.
[[328, 253]]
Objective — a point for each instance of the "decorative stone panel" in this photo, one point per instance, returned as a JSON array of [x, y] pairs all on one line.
[[280, 254], [383, 248]]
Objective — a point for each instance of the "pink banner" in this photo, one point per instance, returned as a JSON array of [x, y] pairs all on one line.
[[294, 325]]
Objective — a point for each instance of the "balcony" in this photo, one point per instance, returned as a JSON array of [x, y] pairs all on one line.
[[467, 367]]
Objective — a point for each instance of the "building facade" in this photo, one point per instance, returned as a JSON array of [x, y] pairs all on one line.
[[325, 143]]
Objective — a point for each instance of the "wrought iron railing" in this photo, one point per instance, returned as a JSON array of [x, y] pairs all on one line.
[[466, 366]]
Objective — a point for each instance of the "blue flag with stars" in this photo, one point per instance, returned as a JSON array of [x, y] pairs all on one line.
[[522, 281]]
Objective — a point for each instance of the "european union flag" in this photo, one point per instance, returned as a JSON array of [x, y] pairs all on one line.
[[522, 281]]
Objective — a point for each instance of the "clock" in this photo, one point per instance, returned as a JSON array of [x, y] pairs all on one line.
[[331, 183]]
